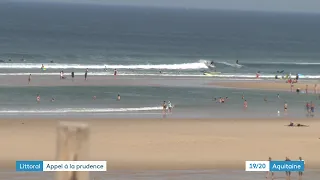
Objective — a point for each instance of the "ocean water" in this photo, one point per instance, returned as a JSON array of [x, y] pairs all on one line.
[[145, 41]]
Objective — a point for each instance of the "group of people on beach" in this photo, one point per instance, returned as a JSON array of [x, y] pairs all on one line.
[[310, 109], [166, 107], [306, 91], [288, 173], [220, 99], [62, 76]]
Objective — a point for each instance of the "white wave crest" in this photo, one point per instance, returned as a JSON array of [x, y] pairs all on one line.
[[183, 66], [80, 110]]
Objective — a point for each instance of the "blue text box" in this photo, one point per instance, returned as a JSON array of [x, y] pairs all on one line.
[[29, 166], [282, 166]]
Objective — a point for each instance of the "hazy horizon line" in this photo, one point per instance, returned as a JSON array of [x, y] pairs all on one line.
[[155, 7]]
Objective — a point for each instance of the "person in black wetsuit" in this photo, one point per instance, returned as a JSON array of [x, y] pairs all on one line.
[[237, 62]]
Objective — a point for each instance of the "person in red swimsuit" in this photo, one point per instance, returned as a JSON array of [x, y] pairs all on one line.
[[245, 104]]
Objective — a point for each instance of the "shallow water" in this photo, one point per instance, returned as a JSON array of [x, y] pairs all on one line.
[[145, 101]]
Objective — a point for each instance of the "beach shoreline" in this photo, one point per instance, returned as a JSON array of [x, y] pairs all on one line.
[[165, 81], [159, 144], [270, 85]]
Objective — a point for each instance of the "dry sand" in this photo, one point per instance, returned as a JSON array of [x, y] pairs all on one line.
[[168, 143], [269, 85]]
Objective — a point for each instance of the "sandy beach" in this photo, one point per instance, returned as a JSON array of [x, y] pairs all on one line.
[[168, 143], [269, 85]]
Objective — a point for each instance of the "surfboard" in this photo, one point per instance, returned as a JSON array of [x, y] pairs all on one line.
[[43, 69]]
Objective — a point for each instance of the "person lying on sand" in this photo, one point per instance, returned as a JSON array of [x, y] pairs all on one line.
[[297, 125]]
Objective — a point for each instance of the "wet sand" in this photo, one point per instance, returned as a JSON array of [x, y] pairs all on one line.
[[201, 82], [269, 85], [49, 81], [168, 144]]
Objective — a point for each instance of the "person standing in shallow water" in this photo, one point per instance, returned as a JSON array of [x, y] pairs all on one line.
[[164, 108], [285, 107], [38, 98], [245, 104], [86, 74], [29, 79]]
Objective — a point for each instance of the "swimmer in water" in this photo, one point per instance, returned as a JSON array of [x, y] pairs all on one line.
[[265, 99], [38, 98], [94, 97], [278, 96], [285, 107], [52, 99], [242, 96], [245, 104], [118, 98], [237, 62]]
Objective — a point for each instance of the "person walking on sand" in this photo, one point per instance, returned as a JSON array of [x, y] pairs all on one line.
[[29, 79], [270, 172], [288, 173], [300, 172], [307, 89], [291, 86]]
